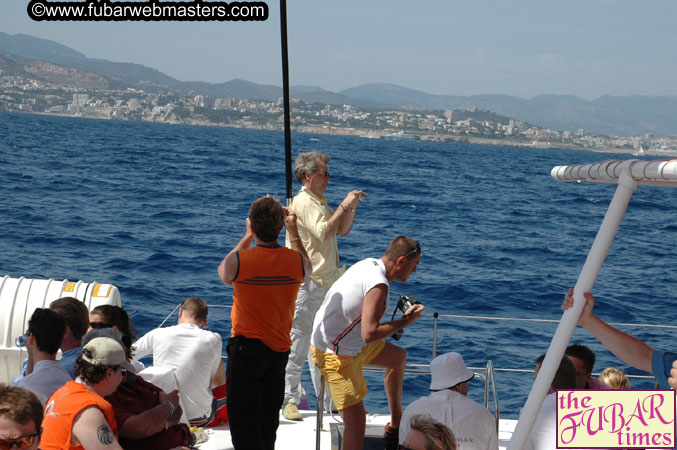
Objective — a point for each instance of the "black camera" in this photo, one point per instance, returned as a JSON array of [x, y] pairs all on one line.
[[403, 304]]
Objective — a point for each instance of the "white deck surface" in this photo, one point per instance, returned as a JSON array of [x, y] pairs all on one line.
[[301, 435]]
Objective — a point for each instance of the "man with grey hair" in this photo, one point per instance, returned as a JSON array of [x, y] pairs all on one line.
[[319, 226]]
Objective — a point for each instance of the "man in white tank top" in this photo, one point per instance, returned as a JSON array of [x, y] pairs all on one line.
[[348, 334]]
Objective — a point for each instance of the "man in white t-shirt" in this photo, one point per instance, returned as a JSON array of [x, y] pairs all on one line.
[[348, 334], [472, 424], [544, 432], [195, 356]]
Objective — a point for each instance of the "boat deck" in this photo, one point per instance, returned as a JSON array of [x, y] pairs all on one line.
[[301, 434]]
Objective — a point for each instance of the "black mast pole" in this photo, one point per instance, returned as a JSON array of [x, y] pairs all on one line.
[[285, 94]]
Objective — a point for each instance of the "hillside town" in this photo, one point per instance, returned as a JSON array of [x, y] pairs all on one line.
[[33, 96]]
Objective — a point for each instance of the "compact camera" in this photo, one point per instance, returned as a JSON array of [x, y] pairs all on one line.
[[403, 304]]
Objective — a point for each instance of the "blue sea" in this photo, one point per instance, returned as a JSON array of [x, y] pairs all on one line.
[[153, 208]]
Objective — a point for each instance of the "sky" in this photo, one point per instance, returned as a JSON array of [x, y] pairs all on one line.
[[525, 48]]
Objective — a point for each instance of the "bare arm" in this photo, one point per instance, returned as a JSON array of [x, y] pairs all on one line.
[[342, 220], [153, 420], [228, 267], [372, 310], [627, 348], [296, 242], [91, 430]]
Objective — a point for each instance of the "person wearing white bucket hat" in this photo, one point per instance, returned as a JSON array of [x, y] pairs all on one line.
[[472, 424]]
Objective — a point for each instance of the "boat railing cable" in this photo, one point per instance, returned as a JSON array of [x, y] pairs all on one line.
[[615, 324]]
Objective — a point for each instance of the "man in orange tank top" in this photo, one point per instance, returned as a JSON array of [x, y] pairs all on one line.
[[76, 415], [266, 280]]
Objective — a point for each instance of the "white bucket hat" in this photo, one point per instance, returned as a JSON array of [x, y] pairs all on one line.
[[448, 370]]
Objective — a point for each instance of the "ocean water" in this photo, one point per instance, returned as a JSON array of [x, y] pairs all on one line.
[[153, 208]]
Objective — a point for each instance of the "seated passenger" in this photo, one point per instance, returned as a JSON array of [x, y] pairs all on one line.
[[614, 378], [147, 417], [195, 356], [428, 434], [76, 315], [544, 434], [20, 418], [472, 424], [584, 360], [43, 338], [76, 415], [110, 316]]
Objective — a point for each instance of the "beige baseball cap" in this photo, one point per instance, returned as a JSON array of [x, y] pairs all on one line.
[[105, 351]]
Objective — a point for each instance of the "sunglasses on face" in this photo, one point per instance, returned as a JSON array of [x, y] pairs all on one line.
[[99, 325], [325, 174], [19, 442]]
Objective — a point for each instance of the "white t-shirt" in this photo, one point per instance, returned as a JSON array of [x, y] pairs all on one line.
[[544, 434], [47, 377], [472, 424], [193, 353], [338, 323]]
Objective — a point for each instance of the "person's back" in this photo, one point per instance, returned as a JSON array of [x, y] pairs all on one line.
[[472, 424], [45, 333], [544, 433], [195, 356]]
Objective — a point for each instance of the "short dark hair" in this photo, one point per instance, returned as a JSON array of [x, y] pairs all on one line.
[[267, 218], [584, 354], [20, 405], [48, 327], [565, 377], [196, 308], [402, 245], [76, 314]]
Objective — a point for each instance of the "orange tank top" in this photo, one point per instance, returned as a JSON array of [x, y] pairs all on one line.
[[264, 294], [61, 410]]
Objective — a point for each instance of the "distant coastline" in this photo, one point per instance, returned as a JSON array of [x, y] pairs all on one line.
[[377, 134]]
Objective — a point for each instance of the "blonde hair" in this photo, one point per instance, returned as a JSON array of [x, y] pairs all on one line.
[[438, 436], [614, 378]]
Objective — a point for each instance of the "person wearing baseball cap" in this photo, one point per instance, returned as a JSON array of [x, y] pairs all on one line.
[[76, 415], [472, 424]]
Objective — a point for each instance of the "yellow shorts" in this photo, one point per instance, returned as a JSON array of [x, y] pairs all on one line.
[[344, 373]]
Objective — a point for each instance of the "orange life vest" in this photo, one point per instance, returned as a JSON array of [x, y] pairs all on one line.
[[61, 410]]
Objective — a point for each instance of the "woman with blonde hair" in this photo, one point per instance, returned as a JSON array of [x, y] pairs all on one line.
[[614, 378]]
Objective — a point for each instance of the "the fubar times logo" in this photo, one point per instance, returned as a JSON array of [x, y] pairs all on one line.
[[616, 419]]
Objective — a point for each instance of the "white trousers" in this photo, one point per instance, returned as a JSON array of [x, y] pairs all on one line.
[[310, 298]]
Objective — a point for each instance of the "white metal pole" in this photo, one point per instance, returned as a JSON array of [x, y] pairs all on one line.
[[600, 247]]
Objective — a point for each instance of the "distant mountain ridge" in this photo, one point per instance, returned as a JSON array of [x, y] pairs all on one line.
[[609, 115]]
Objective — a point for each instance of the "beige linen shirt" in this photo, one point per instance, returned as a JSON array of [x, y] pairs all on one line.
[[312, 213]]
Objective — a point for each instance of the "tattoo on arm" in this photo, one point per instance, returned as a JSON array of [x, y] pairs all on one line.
[[105, 435]]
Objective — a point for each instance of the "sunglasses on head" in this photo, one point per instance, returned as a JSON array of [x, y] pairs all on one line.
[[413, 251], [19, 442], [99, 325]]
